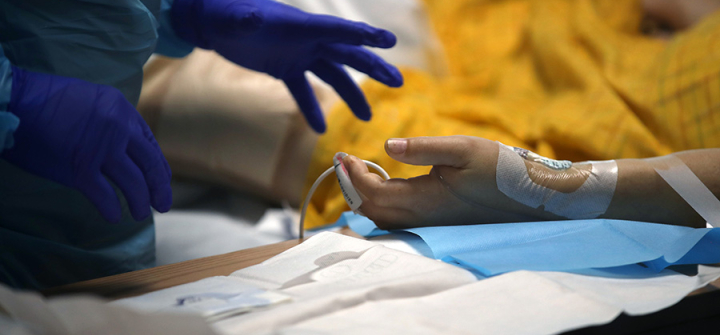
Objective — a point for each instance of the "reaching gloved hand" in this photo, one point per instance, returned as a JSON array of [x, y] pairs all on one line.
[[283, 41], [78, 134]]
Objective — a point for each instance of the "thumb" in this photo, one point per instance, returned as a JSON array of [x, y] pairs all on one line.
[[454, 151]]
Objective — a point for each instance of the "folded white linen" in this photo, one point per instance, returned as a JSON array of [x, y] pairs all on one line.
[[331, 272], [521, 302], [212, 298]]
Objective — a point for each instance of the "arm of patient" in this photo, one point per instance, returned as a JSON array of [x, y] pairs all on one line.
[[474, 180]]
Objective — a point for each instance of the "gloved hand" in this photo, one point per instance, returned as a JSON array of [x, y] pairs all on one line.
[[283, 41], [78, 134]]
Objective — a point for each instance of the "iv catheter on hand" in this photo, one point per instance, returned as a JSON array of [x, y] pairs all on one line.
[[351, 195]]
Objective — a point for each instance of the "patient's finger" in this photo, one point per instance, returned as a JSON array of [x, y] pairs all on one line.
[[305, 98], [400, 203], [365, 61], [361, 178], [455, 151], [413, 194], [383, 193], [385, 214], [336, 77]]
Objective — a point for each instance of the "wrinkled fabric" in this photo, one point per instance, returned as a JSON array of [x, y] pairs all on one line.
[[8, 122], [51, 234], [100, 41], [571, 80], [571, 245]]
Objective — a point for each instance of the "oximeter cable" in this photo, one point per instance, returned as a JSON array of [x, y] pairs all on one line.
[[345, 185]]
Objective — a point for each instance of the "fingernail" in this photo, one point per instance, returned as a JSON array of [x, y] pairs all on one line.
[[397, 145]]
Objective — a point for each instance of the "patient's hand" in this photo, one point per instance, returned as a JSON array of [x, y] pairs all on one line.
[[460, 189], [467, 185]]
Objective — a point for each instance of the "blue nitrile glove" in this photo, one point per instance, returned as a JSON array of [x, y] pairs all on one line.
[[283, 41], [78, 134]]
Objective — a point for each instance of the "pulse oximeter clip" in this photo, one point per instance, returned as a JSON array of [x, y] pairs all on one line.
[[346, 187]]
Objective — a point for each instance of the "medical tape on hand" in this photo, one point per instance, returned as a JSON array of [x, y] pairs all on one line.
[[679, 176], [588, 201]]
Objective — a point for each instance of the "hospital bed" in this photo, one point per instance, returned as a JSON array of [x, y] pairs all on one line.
[[214, 223]]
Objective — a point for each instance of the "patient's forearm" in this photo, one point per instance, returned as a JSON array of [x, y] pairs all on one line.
[[629, 189], [642, 194]]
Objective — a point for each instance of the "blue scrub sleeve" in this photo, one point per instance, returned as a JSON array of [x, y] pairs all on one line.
[[169, 44], [8, 121]]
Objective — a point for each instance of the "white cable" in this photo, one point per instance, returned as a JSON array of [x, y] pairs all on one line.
[[309, 196], [378, 169], [317, 182]]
